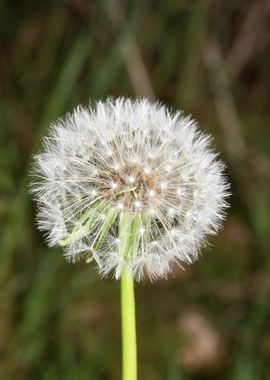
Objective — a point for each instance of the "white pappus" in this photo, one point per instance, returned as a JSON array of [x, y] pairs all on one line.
[[125, 161]]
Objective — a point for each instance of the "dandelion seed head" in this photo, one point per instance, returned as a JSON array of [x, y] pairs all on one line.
[[132, 157]]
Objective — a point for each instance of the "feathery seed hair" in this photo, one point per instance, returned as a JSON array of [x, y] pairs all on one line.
[[129, 169]]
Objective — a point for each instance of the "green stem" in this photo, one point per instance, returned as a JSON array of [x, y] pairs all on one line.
[[129, 345]]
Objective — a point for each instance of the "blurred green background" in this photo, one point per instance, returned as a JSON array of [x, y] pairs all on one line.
[[210, 58]]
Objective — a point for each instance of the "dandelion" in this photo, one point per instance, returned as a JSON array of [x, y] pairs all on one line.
[[129, 164], [131, 186]]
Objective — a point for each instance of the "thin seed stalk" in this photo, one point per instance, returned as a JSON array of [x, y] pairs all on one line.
[[129, 345], [128, 232]]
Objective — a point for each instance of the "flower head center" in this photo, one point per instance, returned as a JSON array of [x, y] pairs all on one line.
[[131, 185]]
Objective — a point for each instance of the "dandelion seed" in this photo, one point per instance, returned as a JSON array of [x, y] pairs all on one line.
[[168, 168], [131, 178], [116, 166], [152, 211], [137, 204], [163, 185], [92, 192], [120, 206], [172, 212], [151, 193], [147, 170], [114, 185], [130, 158], [102, 216], [141, 231]]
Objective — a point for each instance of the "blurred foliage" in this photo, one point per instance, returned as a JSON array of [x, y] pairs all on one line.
[[210, 58]]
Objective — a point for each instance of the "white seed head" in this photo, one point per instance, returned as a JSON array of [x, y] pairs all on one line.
[[129, 157]]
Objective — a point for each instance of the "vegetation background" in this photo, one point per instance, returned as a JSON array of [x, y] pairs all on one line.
[[210, 58]]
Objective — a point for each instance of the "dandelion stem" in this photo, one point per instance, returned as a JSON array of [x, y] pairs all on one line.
[[129, 346]]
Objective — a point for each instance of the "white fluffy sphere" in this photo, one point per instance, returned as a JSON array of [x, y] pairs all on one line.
[[129, 169]]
